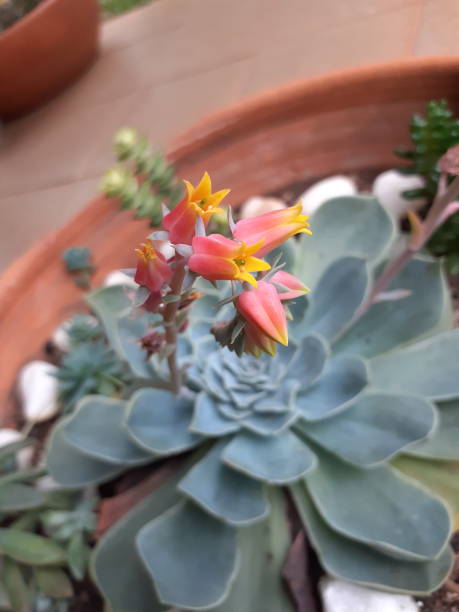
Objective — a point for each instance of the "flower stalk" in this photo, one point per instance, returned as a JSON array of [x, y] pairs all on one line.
[[442, 207]]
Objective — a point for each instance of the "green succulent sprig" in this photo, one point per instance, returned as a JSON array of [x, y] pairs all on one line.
[[144, 180]]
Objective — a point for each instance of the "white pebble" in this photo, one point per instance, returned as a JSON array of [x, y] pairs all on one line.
[[60, 337], [324, 190], [388, 187], [117, 277], [259, 205], [46, 483], [38, 391], [340, 596], [8, 436]]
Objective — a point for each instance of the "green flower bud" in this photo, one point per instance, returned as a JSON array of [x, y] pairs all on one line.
[[124, 142]]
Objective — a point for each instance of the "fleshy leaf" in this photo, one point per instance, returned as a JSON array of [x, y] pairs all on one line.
[[389, 324], [16, 496], [349, 560], [277, 459], [356, 225], [374, 428], [375, 506], [108, 304], [269, 424], [96, 428], [30, 548], [191, 557], [264, 546], [342, 380], [223, 492], [428, 368], [443, 443], [208, 420], [130, 330], [338, 294], [441, 477], [159, 422], [116, 566], [308, 361], [73, 469]]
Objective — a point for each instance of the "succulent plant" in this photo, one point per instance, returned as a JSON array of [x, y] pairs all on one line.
[[323, 421]]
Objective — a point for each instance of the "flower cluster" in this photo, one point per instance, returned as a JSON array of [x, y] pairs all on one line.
[[260, 320]]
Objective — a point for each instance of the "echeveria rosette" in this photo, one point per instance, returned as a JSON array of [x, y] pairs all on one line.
[[324, 418]]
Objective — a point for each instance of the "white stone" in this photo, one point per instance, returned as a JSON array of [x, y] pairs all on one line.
[[60, 336], [340, 596], [324, 190], [259, 205], [388, 187], [38, 391], [24, 457], [8, 436], [117, 277], [46, 483]]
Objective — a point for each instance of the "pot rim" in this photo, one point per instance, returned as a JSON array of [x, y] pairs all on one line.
[[35, 14], [211, 130]]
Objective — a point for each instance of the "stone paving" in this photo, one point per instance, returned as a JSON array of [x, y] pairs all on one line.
[[166, 65]]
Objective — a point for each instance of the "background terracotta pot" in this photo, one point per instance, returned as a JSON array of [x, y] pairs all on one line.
[[343, 122], [45, 51]]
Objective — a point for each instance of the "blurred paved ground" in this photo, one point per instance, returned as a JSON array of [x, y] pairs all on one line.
[[164, 66]]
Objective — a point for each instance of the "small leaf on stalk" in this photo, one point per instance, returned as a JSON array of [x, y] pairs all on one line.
[[30, 548], [16, 587]]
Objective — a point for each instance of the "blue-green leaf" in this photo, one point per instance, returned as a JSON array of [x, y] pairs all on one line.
[[350, 225], [159, 422], [108, 304], [308, 360], [349, 560], [277, 459], [72, 469], [116, 566], [223, 492], [208, 420], [342, 380], [443, 443], [191, 557], [428, 368], [375, 427], [338, 294], [389, 324], [375, 507], [96, 429], [264, 547]]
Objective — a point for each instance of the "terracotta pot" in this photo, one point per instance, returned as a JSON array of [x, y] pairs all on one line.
[[44, 52], [342, 122]]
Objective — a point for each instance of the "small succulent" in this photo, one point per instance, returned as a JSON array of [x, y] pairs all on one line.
[[78, 262], [90, 367], [335, 421], [43, 537]]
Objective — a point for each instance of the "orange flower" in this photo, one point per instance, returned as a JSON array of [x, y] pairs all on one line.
[[152, 269], [198, 201], [263, 311], [218, 258], [272, 228], [290, 286]]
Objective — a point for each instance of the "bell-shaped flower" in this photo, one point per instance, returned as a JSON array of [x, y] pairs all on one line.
[[198, 201], [152, 268], [218, 258], [272, 228], [263, 310], [288, 286], [256, 342]]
